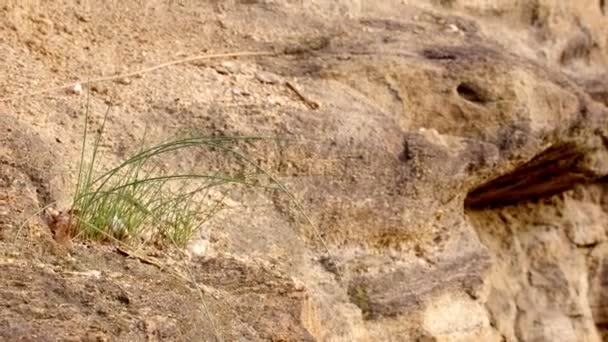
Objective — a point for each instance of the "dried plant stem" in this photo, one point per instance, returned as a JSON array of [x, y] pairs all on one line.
[[140, 72]]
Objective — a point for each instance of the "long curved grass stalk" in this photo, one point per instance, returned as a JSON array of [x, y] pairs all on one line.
[[293, 198], [142, 71], [100, 187]]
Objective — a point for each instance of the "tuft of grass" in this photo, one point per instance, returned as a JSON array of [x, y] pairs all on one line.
[[137, 199]]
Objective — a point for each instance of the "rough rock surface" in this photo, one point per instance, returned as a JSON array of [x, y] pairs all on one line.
[[450, 154]]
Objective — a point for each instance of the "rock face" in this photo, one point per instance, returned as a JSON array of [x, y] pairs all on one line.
[[450, 158]]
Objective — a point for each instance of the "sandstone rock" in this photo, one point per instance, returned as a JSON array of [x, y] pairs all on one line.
[[585, 225], [450, 319], [432, 186], [598, 284]]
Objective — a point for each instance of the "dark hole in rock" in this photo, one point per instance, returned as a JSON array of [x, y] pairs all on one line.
[[469, 93]]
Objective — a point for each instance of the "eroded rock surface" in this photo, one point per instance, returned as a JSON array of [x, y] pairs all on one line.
[[450, 155]]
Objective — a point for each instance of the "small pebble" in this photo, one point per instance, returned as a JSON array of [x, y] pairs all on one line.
[[453, 28], [232, 67], [267, 77], [77, 89], [46, 22], [198, 247], [227, 67], [239, 92], [124, 81]]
